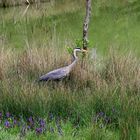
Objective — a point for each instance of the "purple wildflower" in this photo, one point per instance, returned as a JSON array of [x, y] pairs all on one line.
[[42, 123], [39, 131], [101, 114], [8, 115], [15, 122], [0, 115], [31, 121], [7, 124]]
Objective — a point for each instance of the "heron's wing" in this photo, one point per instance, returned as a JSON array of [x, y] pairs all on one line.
[[55, 74]]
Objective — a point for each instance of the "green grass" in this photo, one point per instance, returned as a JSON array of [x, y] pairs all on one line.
[[34, 44], [118, 27], [112, 89], [69, 133]]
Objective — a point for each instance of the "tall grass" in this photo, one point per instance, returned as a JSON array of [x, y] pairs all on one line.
[[7, 3], [101, 3], [112, 88], [45, 24]]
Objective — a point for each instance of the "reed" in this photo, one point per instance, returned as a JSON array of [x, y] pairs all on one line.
[[117, 73]]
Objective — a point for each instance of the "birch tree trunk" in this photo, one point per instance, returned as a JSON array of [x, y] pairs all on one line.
[[86, 23]]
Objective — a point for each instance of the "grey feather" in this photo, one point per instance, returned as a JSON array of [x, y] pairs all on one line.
[[61, 72], [55, 74]]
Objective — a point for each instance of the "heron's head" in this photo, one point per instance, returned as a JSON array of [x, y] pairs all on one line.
[[80, 50]]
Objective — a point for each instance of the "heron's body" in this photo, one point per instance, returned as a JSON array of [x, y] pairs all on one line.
[[61, 72], [55, 74]]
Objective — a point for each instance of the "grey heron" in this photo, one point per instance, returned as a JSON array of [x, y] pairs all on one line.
[[61, 73]]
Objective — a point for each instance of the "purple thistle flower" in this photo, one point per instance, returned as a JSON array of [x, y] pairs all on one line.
[[7, 124], [38, 131], [8, 115]]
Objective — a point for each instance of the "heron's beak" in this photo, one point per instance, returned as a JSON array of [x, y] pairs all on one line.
[[84, 51]]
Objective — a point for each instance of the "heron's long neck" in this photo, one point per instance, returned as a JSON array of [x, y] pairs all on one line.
[[74, 61]]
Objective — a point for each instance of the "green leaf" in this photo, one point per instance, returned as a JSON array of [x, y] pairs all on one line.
[[69, 49]]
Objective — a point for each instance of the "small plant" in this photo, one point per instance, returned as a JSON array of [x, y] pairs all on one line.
[[79, 43]]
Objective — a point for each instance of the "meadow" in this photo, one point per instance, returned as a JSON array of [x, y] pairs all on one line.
[[99, 101]]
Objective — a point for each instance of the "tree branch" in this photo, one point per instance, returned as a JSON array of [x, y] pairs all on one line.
[[85, 25]]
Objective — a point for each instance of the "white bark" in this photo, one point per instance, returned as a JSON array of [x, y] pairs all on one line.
[[86, 23]]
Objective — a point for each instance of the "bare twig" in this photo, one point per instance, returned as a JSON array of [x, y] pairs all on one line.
[[85, 28], [85, 25]]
